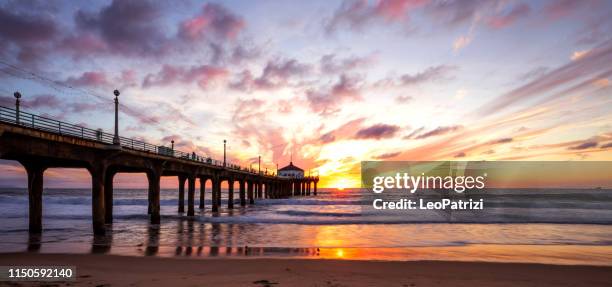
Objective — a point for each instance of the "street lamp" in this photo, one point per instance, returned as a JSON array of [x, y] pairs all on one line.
[[172, 143], [259, 165], [116, 140], [224, 157], [17, 97]]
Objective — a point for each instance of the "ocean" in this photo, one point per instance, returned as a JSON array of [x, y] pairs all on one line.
[[519, 225]]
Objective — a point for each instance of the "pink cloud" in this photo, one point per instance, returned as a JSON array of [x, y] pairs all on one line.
[[378, 131], [274, 75], [88, 79], [517, 12], [203, 75], [327, 102], [213, 19], [358, 14]]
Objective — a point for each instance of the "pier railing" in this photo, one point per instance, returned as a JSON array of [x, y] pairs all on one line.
[[37, 122]]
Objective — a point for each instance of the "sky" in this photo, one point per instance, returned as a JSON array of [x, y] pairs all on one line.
[[327, 84]]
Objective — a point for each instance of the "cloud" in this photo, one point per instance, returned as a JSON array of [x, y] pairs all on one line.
[[345, 131], [378, 131], [501, 141], [608, 145], [403, 99], [461, 42], [387, 155], [88, 79], [455, 12], [561, 8], [273, 76], [533, 73], [593, 65], [327, 102], [429, 74], [213, 19], [358, 14], [128, 27], [585, 145], [203, 75], [330, 64], [439, 131], [42, 101], [414, 133], [579, 54], [29, 32], [517, 12], [460, 154]]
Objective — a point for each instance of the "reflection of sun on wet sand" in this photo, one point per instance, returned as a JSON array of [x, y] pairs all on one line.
[[154, 271]]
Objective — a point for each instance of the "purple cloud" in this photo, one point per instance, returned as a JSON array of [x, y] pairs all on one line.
[[377, 131], [274, 75], [327, 102], [202, 75], [358, 14], [429, 74], [517, 12], [387, 155], [585, 145], [129, 27], [213, 19], [439, 131], [29, 32], [88, 79]]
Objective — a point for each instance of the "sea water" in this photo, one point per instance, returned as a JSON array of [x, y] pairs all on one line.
[[518, 225]]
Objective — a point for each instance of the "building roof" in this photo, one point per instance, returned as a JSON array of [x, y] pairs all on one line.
[[291, 167]]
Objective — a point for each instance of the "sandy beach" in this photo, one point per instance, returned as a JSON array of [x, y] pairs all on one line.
[[111, 270]]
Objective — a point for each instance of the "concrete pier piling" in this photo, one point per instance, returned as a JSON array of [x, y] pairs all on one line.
[[250, 192], [230, 194], [191, 195], [181, 195], [202, 191], [154, 178], [35, 189], [242, 193], [108, 197]]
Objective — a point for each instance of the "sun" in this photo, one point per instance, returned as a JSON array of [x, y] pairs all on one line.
[[342, 183]]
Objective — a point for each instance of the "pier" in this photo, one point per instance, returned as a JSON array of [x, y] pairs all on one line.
[[39, 143]]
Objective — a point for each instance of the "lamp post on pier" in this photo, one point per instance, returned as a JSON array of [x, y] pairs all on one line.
[[224, 144], [259, 165], [116, 140], [17, 101]]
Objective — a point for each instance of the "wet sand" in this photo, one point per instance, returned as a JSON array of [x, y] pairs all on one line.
[[112, 270]]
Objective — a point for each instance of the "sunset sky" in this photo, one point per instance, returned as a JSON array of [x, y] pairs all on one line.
[[331, 82]]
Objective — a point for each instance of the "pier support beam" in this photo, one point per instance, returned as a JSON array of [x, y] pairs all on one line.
[[259, 190], [108, 197], [216, 192], [242, 194], [181, 200], [202, 191], [315, 188], [35, 189], [250, 192], [98, 174], [191, 195], [230, 193], [154, 178]]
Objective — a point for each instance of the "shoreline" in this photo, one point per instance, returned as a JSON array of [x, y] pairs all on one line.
[[587, 255], [158, 271]]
